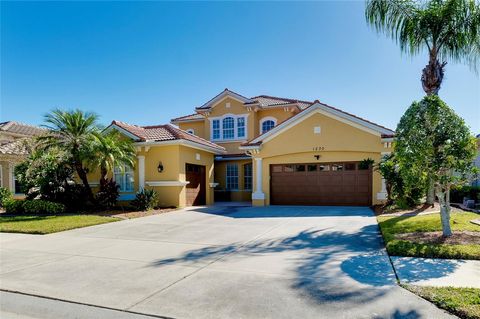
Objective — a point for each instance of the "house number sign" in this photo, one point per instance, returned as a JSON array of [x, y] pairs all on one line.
[[318, 148]]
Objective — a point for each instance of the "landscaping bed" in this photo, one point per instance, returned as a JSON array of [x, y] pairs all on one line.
[[50, 224], [125, 214], [420, 236], [463, 302]]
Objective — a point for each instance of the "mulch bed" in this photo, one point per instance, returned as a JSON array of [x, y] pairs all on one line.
[[458, 238], [414, 211], [129, 214]]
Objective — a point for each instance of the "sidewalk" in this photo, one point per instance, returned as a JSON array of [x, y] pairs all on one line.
[[438, 272]]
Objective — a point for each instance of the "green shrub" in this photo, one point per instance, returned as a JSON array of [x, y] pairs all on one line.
[[13, 206], [5, 195], [33, 207], [45, 207], [108, 194], [146, 199]]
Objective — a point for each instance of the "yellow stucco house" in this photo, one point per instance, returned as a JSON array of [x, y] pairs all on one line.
[[263, 149]]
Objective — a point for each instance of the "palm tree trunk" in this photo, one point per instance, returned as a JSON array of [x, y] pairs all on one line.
[[83, 177], [103, 174], [432, 74]]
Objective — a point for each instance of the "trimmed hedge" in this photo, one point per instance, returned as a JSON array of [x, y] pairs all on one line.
[[34, 207]]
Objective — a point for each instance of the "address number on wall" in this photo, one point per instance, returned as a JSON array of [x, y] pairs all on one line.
[[318, 148]]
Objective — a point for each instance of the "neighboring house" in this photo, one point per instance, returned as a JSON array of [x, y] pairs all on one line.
[[13, 150], [291, 152]]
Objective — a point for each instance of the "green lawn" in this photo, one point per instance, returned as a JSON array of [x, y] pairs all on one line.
[[427, 223], [50, 224], [463, 302]]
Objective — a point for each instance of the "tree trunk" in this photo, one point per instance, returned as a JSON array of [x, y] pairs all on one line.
[[103, 174], [444, 200], [430, 192], [432, 74], [83, 177]]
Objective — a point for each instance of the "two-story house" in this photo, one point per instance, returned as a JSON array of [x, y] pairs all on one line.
[[264, 149]]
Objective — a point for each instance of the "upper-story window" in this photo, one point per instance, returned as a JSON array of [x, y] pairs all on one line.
[[191, 131], [229, 127], [267, 124]]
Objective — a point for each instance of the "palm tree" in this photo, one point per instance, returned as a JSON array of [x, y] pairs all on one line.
[[74, 132], [447, 29], [110, 151]]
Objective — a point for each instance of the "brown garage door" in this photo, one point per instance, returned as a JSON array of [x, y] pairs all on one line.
[[321, 184], [196, 191]]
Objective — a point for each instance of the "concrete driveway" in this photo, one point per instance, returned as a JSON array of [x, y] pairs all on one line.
[[219, 262]]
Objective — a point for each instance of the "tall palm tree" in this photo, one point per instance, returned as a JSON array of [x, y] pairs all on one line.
[[111, 150], [448, 29], [76, 133]]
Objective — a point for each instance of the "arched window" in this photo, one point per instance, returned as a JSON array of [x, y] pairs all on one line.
[[228, 126], [191, 131], [267, 125]]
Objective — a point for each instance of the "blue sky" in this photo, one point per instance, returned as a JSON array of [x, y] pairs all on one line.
[[145, 63]]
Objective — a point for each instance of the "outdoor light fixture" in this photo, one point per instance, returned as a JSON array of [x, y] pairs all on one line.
[[160, 167], [317, 157]]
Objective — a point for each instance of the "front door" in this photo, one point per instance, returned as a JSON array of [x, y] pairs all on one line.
[[196, 189]]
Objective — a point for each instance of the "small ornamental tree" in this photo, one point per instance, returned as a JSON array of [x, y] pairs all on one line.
[[434, 142]]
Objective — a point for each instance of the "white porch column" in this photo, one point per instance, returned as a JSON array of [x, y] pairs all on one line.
[[382, 195], [141, 172], [258, 194], [11, 177]]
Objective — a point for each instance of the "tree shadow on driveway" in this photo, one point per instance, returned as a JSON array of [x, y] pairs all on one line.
[[330, 265]]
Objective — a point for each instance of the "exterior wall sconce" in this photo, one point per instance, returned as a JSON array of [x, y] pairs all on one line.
[[160, 167], [317, 157]]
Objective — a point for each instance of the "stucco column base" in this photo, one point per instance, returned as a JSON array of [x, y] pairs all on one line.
[[258, 202]]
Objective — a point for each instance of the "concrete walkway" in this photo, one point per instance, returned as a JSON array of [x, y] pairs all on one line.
[[220, 262], [438, 272]]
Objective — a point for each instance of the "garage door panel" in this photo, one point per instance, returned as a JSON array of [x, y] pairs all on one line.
[[301, 184]]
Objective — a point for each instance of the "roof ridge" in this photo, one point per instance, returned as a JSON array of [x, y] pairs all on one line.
[[281, 98], [356, 116], [125, 123], [8, 124]]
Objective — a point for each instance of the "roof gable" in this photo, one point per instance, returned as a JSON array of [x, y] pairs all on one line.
[[326, 110], [222, 95]]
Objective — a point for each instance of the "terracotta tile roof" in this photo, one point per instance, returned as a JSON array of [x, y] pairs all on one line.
[[159, 133], [267, 101], [21, 128], [17, 147], [251, 143], [191, 117]]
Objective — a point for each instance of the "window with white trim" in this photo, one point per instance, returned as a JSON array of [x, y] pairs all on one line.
[[232, 177], [247, 176], [230, 127], [241, 127], [267, 125], [124, 178], [216, 129], [191, 131]]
